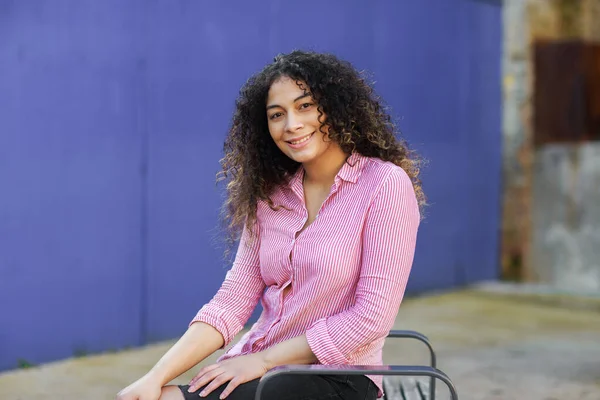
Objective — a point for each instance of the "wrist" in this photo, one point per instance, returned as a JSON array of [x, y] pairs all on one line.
[[156, 377], [266, 357]]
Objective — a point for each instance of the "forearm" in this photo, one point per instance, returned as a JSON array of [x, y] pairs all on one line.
[[292, 351], [197, 343]]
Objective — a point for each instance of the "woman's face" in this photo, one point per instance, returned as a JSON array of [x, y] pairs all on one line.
[[294, 123]]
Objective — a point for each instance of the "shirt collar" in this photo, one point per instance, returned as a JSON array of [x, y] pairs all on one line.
[[349, 172], [352, 168]]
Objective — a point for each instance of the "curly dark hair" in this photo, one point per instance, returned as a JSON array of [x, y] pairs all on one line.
[[355, 115]]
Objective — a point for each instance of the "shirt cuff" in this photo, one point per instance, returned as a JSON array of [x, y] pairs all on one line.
[[215, 319], [322, 345]]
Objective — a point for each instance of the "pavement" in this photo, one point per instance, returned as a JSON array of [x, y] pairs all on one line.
[[495, 341]]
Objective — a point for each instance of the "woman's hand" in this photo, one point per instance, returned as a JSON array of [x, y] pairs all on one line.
[[145, 388], [236, 371]]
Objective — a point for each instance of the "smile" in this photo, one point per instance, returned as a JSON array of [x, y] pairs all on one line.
[[300, 142]]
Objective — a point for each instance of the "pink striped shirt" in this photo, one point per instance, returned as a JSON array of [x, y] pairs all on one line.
[[347, 271]]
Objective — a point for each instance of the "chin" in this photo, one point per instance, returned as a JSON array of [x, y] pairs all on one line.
[[302, 158]]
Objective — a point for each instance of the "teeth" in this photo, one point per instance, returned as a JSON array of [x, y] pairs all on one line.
[[301, 140]]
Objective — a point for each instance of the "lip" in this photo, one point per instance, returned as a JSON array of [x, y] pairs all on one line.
[[300, 145]]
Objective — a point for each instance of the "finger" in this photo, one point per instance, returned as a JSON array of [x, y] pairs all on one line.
[[204, 376], [235, 382], [216, 383], [206, 379], [204, 370]]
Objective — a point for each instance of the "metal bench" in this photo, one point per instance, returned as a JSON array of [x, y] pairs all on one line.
[[396, 385]]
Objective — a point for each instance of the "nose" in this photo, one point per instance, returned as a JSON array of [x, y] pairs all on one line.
[[293, 123]]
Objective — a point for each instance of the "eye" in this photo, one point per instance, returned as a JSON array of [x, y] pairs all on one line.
[[305, 105], [275, 115]]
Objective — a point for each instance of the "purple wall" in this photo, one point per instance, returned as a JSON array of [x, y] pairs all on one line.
[[112, 117]]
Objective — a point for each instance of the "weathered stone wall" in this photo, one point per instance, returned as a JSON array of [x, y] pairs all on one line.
[[566, 216], [546, 186], [517, 143]]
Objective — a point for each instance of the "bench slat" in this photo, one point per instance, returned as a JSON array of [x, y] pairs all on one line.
[[405, 388]]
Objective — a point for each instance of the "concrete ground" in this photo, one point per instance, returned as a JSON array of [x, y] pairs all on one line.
[[495, 341]]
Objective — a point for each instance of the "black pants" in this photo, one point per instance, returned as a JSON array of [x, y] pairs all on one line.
[[299, 387]]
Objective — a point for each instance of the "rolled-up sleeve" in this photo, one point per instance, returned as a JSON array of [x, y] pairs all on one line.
[[243, 286], [389, 239]]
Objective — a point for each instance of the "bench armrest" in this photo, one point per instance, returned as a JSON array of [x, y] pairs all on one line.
[[417, 336], [386, 370], [423, 339]]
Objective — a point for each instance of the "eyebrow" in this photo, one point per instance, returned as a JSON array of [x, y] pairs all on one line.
[[295, 100]]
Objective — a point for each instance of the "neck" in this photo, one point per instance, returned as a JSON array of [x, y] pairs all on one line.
[[323, 170]]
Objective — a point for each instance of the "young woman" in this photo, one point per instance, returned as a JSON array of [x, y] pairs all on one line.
[[326, 200]]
